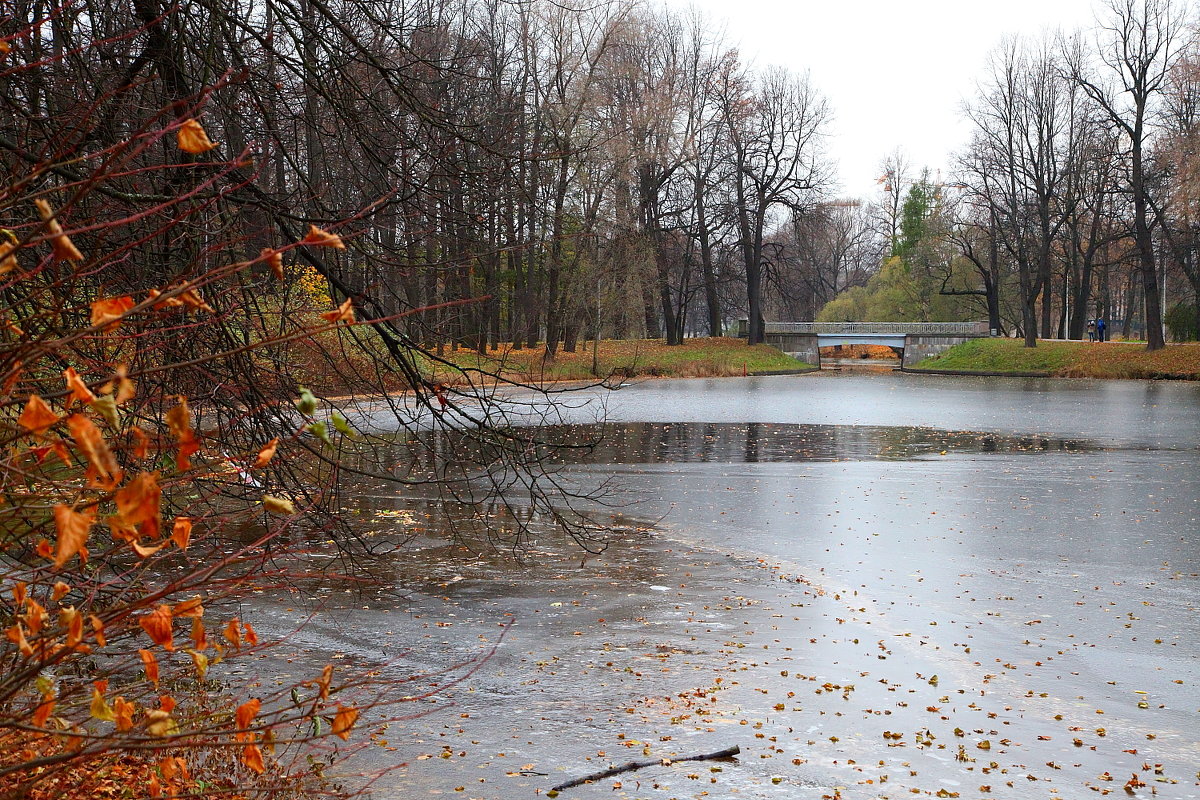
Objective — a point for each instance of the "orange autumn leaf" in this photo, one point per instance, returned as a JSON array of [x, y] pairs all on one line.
[[125, 388], [60, 591], [181, 532], [91, 443], [139, 503], [43, 549], [35, 616], [20, 592], [153, 786], [192, 138], [42, 714], [108, 311], [252, 758], [274, 259], [13, 375], [166, 302], [199, 637], [157, 625], [246, 713], [79, 389], [60, 450], [179, 420], [141, 443], [322, 238], [192, 607], [150, 664], [266, 454], [37, 416], [8, 258], [343, 313], [166, 703], [73, 528], [98, 629], [192, 299], [60, 243], [232, 633], [123, 712], [324, 681], [251, 636], [145, 551], [16, 635], [344, 721], [72, 620]]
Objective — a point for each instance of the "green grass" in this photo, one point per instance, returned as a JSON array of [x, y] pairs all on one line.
[[695, 358], [1070, 359]]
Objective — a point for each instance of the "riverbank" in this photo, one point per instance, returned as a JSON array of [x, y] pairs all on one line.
[[695, 358], [1064, 359]]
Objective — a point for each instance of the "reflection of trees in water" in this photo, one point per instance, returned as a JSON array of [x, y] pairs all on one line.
[[657, 443]]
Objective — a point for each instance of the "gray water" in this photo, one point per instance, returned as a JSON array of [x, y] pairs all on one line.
[[877, 585]]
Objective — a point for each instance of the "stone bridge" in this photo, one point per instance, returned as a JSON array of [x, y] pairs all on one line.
[[915, 340]]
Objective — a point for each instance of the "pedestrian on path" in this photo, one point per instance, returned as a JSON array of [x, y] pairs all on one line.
[[1101, 330], [1091, 330]]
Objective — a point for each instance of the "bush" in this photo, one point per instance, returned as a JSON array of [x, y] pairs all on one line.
[[1181, 322]]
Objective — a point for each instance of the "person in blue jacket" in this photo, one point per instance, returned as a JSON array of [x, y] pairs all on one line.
[[1101, 330]]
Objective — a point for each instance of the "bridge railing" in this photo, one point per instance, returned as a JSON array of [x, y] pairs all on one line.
[[864, 328]]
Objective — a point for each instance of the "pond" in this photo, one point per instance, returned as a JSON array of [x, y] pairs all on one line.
[[877, 585]]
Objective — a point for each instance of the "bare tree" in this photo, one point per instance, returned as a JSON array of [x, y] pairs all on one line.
[[775, 127], [1139, 43]]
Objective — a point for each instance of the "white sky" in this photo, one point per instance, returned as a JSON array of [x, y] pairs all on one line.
[[896, 72]]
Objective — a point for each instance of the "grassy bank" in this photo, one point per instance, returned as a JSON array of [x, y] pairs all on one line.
[[695, 358], [1071, 359]]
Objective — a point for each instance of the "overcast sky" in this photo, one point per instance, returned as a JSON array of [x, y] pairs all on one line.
[[896, 72]]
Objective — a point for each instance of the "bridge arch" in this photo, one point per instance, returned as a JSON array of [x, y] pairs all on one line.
[[915, 340]]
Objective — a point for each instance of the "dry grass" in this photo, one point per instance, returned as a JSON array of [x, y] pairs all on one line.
[[695, 358]]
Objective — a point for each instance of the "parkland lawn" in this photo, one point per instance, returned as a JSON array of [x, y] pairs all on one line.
[[1070, 359], [695, 358]]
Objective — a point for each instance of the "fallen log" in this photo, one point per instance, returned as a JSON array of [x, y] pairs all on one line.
[[728, 752]]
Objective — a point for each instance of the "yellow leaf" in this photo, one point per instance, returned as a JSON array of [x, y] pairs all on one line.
[[159, 723], [100, 708], [192, 138], [278, 505], [201, 662]]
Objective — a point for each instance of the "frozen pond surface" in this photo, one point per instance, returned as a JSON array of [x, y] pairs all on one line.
[[877, 585]]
